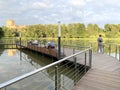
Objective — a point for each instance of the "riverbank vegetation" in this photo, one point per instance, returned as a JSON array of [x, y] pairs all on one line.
[[72, 30]]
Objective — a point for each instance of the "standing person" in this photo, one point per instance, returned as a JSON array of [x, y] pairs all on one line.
[[100, 44]]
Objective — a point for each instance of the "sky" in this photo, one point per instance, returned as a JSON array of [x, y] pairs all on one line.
[[28, 12]]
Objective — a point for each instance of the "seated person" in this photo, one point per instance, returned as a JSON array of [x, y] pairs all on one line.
[[51, 45], [35, 42], [29, 42]]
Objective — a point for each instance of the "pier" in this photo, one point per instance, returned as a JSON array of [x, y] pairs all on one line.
[[103, 75], [43, 50]]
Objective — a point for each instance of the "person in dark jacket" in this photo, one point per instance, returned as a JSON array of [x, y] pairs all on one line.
[[100, 44]]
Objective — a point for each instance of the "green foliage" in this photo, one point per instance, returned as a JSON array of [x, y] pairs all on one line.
[[112, 30], [1, 32], [72, 30]]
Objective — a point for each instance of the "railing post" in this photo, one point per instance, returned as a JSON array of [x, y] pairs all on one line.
[[119, 53], [20, 41], [63, 50], [5, 88], [73, 50], [85, 61], [103, 48], [75, 73], [109, 49], [90, 58], [56, 77], [116, 52], [16, 45]]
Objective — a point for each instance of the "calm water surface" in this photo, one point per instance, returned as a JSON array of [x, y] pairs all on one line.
[[14, 63]]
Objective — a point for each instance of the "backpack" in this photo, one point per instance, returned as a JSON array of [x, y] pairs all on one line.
[[99, 40]]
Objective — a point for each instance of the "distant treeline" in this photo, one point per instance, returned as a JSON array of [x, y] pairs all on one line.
[[73, 30]]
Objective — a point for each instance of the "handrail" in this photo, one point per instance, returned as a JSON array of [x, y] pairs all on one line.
[[78, 46], [109, 48], [12, 81]]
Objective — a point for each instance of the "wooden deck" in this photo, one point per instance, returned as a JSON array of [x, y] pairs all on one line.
[[44, 50], [104, 74]]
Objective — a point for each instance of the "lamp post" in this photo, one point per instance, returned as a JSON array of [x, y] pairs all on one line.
[[59, 41]]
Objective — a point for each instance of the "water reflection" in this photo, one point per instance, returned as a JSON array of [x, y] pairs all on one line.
[[14, 63], [11, 52], [36, 58], [1, 51], [24, 61]]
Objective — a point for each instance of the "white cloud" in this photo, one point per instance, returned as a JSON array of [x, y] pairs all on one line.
[[102, 18], [79, 13], [103, 3], [35, 16], [54, 15], [88, 0], [49, 11], [77, 3], [41, 5]]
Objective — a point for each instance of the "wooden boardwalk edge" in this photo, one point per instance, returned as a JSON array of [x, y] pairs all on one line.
[[104, 74]]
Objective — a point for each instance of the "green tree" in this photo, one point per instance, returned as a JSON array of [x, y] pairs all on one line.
[[1, 32]]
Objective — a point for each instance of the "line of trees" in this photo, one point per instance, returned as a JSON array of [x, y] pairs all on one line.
[[72, 30], [1, 33]]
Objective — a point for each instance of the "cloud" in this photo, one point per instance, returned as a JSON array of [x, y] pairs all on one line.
[[41, 5], [102, 11], [35, 5], [102, 3], [77, 3], [51, 11]]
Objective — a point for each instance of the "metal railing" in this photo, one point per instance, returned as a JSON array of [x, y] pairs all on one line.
[[109, 49], [64, 74], [112, 50], [9, 43]]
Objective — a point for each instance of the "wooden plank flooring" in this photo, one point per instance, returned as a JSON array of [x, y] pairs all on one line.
[[104, 74]]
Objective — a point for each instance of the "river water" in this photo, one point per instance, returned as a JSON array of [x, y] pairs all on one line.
[[14, 63]]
